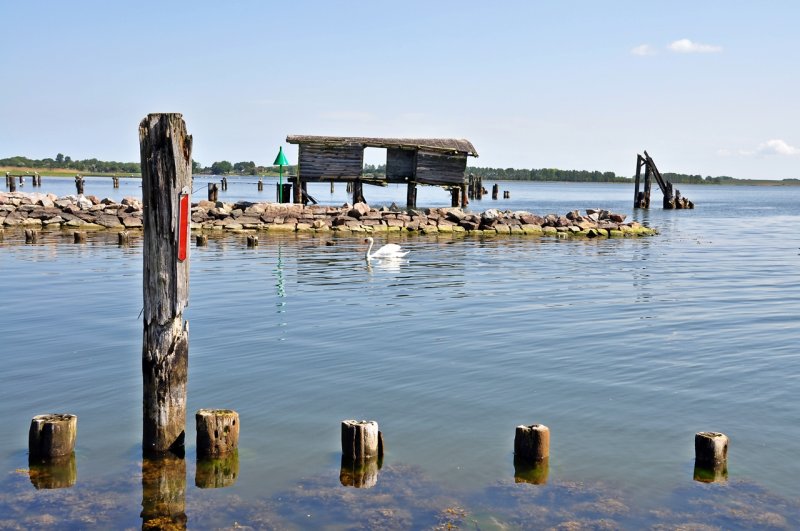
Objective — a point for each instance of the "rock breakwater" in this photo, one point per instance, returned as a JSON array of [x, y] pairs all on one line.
[[46, 211]]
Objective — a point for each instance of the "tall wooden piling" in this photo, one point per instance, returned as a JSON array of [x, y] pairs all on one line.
[[260, 184], [454, 199], [464, 200], [79, 184], [166, 154], [12, 185]]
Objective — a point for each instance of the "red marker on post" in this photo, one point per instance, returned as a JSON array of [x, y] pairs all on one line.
[[183, 225]]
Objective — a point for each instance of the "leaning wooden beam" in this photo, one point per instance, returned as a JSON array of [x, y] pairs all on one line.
[[166, 155]]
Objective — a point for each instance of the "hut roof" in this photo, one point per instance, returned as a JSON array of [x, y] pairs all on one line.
[[441, 145]]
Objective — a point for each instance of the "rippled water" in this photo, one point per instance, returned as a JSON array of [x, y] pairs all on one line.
[[624, 348]]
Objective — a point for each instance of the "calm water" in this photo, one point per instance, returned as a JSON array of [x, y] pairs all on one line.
[[624, 348]]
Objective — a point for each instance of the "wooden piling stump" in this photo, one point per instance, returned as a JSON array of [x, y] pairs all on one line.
[[260, 185], [79, 236], [217, 432], [31, 236], [201, 240], [123, 238], [495, 191], [360, 439], [710, 448], [252, 241], [52, 435], [532, 443]]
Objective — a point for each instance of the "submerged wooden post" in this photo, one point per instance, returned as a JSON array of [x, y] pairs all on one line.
[[201, 240], [495, 190], [79, 184], [532, 443], [260, 184], [52, 435], [252, 241], [31, 236], [217, 432], [213, 192], [166, 154], [79, 236], [123, 238]]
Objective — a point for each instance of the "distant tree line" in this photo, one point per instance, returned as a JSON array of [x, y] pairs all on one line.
[[62, 161], [584, 176]]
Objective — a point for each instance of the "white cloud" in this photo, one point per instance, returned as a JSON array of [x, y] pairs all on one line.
[[687, 46], [643, 49], [776, 146]]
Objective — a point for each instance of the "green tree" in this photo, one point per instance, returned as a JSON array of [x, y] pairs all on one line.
[[60, 158], [221, 168]]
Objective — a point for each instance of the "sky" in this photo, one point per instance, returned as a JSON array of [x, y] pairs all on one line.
[[707, 87]]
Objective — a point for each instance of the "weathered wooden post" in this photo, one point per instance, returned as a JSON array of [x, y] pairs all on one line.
[[213, 192], [495, 190], [79, 236], [123, 238], [411, 195], [711, 457], [31, 236], [79, 184], [217, 432], [358, 192], [464, 194], [166, 154], [361, 439], [252, 241], [532, 443], [52, 435], [260, 184], [454, 192], [12, 186], [201, 240]]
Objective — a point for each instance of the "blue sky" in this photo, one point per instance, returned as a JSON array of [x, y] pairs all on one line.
[[706, 87]]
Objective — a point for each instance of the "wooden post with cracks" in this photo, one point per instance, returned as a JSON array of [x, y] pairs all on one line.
[[166, 154]]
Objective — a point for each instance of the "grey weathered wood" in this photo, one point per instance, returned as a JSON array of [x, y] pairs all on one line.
[[217, 432], [495, 191], [464, 194], [360, 439], [400, 165], [31, 236], [260, 184], [532, 443], [201, 240], [318, 163], [440, 169], [79, 236], [636, 198], [52, 435], [166, 154], [213, 192], [252, 241], [123, 238], [79, 184], [411, 195]]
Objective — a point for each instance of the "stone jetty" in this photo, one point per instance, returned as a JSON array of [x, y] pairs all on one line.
[[46, 211]]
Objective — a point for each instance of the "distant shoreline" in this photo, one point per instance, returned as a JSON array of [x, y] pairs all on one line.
[[61, 172]]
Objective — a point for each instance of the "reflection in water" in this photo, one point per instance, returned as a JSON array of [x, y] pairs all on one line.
[[280, 281], [361, 474], [216, 473], [534, 472], [164, 492], [716, 474], [53, 472]]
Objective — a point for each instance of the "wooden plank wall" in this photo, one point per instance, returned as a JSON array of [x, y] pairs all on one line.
[[440, 169], [325, 163], [400, 165]]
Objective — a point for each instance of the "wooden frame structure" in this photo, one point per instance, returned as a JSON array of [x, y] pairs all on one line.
[[430, 161], [641, 199]]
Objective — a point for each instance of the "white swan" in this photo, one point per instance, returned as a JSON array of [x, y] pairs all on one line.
[[390, 250]]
